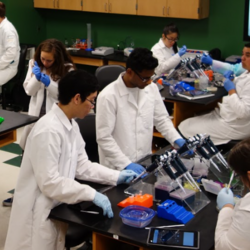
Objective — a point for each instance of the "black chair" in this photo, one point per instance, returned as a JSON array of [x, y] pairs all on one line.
[[12, 91], [76, 235], [88, 132], [107, 74], [228, 146]]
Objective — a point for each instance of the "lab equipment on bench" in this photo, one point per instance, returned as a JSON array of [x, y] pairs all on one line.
[[137, 216], [127, 51], [145, 200], [103, 51], [203, 146], [171, 165]]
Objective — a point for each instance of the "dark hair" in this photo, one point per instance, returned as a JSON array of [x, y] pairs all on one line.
[[61, 56], [247, 45], [76, 82], [2, 10], [141, 59], [171, 28], [239, 158]]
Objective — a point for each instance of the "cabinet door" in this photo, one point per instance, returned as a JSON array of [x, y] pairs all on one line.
[[122, 7], [183, 8], [70, 5], [48, 4], [152, 8], [95, 5]]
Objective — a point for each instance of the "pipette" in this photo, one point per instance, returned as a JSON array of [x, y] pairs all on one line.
[[230, 181], [181, 167], [156, 163]]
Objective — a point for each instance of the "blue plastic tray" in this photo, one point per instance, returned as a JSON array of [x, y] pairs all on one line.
[[137, 216]]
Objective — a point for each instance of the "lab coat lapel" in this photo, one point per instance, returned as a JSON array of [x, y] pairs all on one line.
[[142, 97], [123, 90]]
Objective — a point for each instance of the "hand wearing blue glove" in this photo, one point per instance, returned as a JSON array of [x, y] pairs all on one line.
[[36, 71], [225, 196], [180, 142], [45, 79], [137, 168], [126, 176], [206, 59], [229, 74], [183, 50], [102, 201], [228, 85]]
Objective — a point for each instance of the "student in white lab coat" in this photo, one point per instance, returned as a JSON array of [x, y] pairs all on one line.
[[231, 120], [127, 111], [51, 62], [166, 50], [9, 48], [232, 230], [54, 156]]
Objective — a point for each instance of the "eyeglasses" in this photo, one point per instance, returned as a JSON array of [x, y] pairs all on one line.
[[143, 79], [92, 102], [172, 40]]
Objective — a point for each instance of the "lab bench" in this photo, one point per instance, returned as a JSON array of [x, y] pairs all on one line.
[[12, 121], [109, 234], [87, 58]]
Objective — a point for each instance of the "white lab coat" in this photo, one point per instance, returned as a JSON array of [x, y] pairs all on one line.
[[222, 67], [231, 121], [35, 89], [124, 129], [167, 58], [232, 230], [54, 156], [9, 51]]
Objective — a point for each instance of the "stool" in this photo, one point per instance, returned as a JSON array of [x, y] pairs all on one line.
[[76, 234]]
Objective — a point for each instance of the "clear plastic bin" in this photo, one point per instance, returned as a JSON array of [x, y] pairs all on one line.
[[137, 216]]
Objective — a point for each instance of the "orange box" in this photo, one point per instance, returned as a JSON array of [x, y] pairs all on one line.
[[210, 74], [145, 200]]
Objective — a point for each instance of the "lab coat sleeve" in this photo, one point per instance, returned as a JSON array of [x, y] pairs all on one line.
[[222, 67], [31, 84], [94, 172], [165, 65], [44, 155], [9, 40], [240, 105], [105, 123], [227, 234], [162, 121]]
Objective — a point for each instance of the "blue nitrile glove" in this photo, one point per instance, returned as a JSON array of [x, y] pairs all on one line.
[[206, 59], [180, 142], [228, 85], [102, 201], [183, 50], [36, 71], [126, 176], [225, 196], [45, 79], [137, 168], [229, 74]]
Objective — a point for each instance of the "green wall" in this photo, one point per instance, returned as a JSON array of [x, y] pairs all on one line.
[[26, 19], [223, 29]]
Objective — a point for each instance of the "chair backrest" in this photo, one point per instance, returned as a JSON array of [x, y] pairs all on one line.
[[107, 74], [88, 132], [14, 85]]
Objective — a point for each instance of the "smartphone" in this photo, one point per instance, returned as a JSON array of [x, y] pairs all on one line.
[[174, 238]]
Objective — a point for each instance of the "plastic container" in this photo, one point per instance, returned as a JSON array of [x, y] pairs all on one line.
[[211, 186], [137, 216]]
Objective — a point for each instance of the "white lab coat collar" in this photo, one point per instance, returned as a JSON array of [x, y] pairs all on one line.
[[123, 90], [3, 22], [61, 116]]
